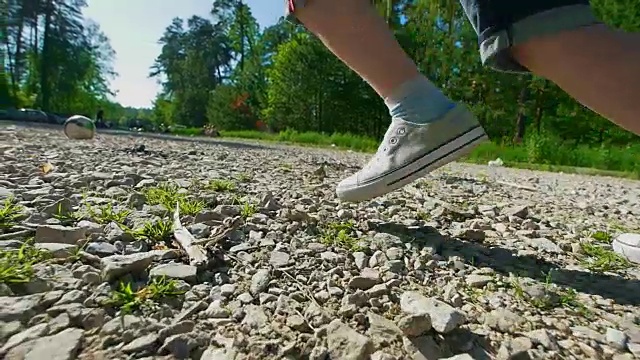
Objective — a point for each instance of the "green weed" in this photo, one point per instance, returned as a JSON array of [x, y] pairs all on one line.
[[168, 196], [247, 210], [67, 217], [286, 167], [422, 215], [16, 265], [10, 213], [221, 185], [154, 232], [602, 237], [129, 300], [106, 214], [599, 259], [552, 298], [245, 177], [165, 194], [190, 206], [340, 234]]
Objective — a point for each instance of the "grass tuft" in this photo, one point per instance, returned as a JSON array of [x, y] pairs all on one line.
[[168, 195], [107, 213], [341, 234], [10, 213], [154, 232], [16, 265], [553, 297], [221, 185], [598, 259], [128, 300]]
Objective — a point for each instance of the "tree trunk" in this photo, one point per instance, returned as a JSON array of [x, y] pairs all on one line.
[[17, 58], [538, 119], [522, 118], [45, 66], [241, 20]]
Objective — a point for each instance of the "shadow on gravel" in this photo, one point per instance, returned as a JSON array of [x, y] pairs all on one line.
[[622, 291]]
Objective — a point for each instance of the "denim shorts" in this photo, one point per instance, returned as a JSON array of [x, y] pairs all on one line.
[[501, 24]]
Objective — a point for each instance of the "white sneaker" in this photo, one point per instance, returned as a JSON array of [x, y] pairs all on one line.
[[628, 246], [409, 151]]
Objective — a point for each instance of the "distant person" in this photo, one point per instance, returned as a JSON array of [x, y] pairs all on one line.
[[100, 118], [560, 40]]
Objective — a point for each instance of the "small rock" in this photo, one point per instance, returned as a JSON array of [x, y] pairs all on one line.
[[415, 325], [279, 259], [175, 271], [504, 320], [59, 234], [367, 279], [61, 346], [616, 339], [444, 317], [118, 265], [344, 343], [144, 343], [514, 349], [260, 281]]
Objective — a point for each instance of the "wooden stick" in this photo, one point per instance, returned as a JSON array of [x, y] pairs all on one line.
[[220, 233], [518, 186], [196, 253]]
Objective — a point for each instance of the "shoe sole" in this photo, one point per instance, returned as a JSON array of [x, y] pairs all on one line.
[[446, 153]]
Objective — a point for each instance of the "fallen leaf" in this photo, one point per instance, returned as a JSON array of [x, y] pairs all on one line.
[[46, 168]]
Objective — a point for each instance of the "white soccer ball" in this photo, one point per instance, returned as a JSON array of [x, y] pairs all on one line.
[[79, 127]]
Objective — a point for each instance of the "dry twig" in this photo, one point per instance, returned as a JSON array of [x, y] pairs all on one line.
[[187, 242]]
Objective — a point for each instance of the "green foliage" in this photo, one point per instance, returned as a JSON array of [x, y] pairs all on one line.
[[68, 218], [247, 210], [536, 152], [107, 213], [600, 259], [227, 109], [154, 232], [16, 266], [56, 59], [10, 213], [221, 185], [168, 195], [341, 234], [129, 300]]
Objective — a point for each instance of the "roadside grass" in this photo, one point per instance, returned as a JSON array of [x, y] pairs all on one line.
[[544, 153]]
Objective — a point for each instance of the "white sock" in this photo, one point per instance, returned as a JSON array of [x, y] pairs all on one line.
[[418, 101]]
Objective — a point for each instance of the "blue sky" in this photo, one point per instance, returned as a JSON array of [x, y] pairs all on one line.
[[134, 27]]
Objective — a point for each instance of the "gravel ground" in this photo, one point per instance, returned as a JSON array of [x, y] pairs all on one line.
[[473, 262]]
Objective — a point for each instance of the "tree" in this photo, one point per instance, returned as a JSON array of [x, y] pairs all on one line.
[[55, 59]]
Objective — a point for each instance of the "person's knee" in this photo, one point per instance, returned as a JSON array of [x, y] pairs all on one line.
[[504, 26]]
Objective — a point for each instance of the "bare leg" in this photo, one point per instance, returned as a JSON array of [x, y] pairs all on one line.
[[598, 66], [354, 32]]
